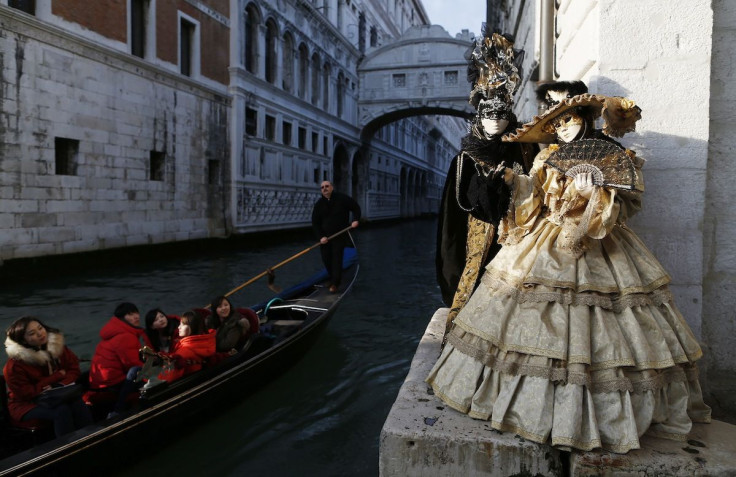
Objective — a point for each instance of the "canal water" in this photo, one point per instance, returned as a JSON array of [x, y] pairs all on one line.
[[323, 416]]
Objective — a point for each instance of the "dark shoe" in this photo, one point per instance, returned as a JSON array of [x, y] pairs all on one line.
[[333, 288]]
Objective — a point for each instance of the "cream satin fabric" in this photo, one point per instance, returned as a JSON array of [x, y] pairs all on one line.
[[572, 338]]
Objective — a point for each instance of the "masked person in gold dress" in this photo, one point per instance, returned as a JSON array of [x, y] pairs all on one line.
[[572, 337]]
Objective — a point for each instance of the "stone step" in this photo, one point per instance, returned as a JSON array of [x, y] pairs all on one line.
[[424, 437]]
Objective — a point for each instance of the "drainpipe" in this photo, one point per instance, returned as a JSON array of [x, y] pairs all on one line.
[[547, 43]]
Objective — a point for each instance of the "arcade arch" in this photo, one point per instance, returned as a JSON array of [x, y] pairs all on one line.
[[341, 168]]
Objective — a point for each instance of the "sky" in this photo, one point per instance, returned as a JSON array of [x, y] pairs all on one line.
[[455, 15]]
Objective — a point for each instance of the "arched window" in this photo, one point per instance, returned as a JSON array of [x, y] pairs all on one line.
[[252, 20], [287, 70], [272, 62], [303, 70], [326, 87], [340, 93], [315, 79]]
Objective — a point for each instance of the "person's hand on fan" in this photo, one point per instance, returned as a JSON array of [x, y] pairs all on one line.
[[584, 184]]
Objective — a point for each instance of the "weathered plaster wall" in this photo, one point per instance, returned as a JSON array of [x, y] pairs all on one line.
[[58, 85], [719, 267], [658, 53]]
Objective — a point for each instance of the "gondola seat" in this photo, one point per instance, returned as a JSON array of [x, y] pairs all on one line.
[[253, 319]]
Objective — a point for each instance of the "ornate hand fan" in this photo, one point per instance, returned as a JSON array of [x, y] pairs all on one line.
[[609, 164]]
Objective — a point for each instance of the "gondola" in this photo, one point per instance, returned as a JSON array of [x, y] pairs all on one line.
[[291, 322]]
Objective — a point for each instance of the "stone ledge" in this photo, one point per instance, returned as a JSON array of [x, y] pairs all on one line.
[[424, 437]]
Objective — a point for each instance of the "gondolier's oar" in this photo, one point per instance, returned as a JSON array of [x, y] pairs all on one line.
[[269, 271]]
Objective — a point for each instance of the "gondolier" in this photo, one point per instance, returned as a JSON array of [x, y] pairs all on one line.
[[331, 214]]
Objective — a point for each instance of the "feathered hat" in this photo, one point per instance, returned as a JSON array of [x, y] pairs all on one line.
[[619, 117], [494, 70], [550, 94]]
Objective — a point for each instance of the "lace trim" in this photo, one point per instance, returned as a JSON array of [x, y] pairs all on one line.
[[638, 386], [548, 353], [516, 282], [655, 294], [666, 435], [573, 236], [447, 400], [508, 232], [503, 427], [556, 441], [565, 441], [569, 442], [565, 376], [513, 368]]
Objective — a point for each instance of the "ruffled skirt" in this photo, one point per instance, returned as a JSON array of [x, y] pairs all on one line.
[[581, 352]]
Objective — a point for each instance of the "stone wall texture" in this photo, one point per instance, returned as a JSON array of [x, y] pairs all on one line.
[[117, 112], [719, 225]]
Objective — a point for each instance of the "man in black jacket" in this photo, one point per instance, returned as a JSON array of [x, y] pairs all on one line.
[[331, 214]]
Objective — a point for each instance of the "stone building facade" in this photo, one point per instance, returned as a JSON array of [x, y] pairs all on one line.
[[133, 122], [101, 148], [673, 58], [295, 89]]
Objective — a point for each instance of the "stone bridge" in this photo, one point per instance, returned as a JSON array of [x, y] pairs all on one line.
[[423, 72]]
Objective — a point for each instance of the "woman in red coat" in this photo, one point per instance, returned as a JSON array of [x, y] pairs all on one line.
[[39, 360], [194, 347]]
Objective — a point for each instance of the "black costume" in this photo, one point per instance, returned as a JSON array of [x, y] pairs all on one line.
[[475, 196], [329, 216], [470, 191]]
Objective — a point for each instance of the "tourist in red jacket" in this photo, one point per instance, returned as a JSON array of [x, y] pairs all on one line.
[[116, 361], [39, 360], [194, 347]]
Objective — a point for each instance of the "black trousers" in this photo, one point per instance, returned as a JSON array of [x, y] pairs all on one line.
[[332, 258]]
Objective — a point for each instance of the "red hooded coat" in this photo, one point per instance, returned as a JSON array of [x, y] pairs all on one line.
[[190, 351], [116, 353], [28, 370]]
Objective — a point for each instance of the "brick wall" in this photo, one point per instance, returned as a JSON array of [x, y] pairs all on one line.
[[215, 40], [214, 36], [106, 17], [167, 29]]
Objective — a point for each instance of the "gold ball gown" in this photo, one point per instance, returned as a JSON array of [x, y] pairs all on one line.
[[572, 337]]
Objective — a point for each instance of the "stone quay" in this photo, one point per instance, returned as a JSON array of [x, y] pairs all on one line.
[[424, 437]]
